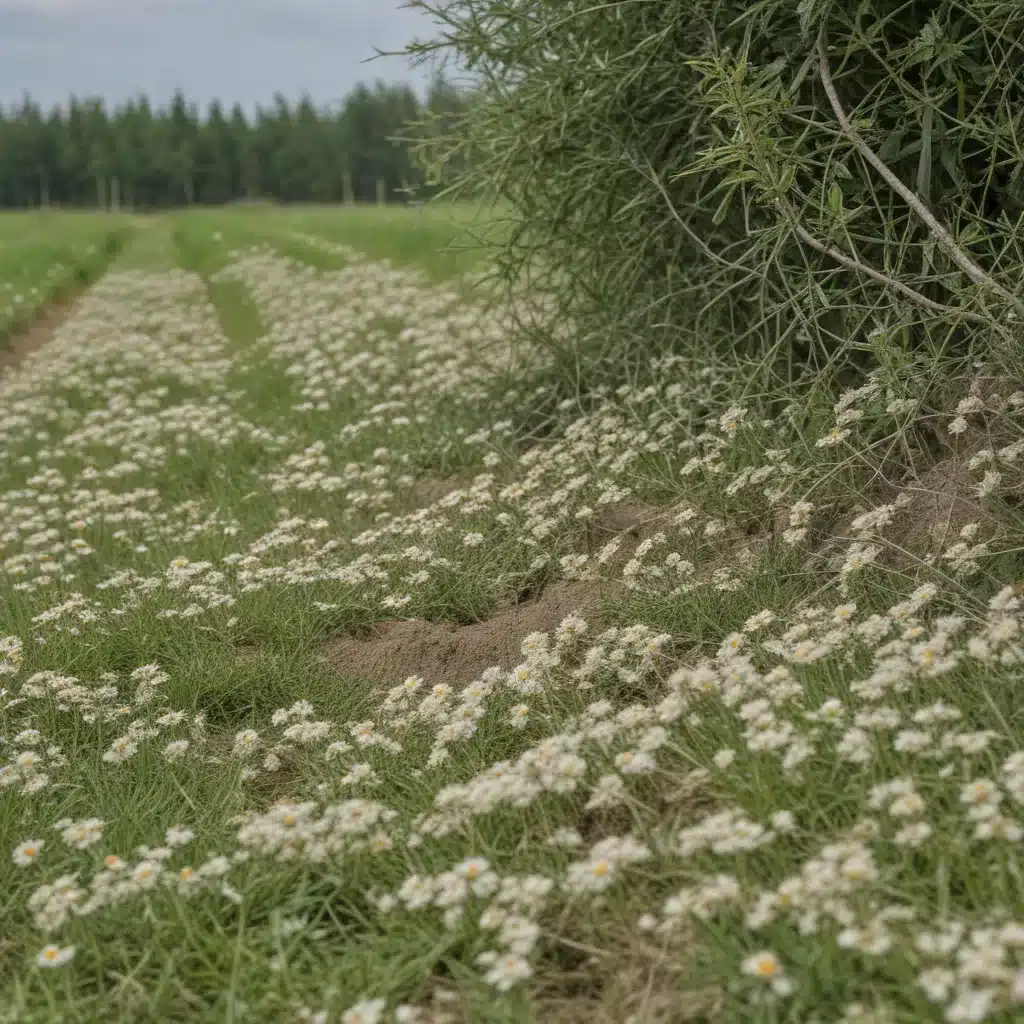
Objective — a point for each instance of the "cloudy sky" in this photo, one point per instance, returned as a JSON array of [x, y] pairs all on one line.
[[242, 50]]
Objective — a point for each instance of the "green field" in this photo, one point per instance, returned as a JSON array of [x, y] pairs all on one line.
[[348, 676]]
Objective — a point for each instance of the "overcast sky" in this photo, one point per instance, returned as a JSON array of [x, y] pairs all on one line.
[[242, 50]]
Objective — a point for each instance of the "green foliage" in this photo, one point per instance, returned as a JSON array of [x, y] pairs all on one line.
[[680, 176], [812, 714]]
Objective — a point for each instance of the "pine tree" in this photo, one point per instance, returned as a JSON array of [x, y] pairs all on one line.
[[139, 157]]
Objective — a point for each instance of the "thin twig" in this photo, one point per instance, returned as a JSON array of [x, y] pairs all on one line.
[[937, 228], [890, 282]]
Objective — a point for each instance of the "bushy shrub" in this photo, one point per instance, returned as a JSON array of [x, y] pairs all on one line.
[[790, 180]]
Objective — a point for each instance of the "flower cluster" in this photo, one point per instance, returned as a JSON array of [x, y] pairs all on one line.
[[781, 722]]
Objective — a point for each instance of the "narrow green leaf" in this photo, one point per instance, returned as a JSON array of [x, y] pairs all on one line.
[[723, 208], [890, 149], [835, 199], [924, 163], [928, 256]]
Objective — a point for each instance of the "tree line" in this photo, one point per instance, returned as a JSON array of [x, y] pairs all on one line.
[[138, 156]]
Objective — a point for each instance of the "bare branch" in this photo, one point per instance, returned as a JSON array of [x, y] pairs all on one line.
[[890, 282], [937, 228]]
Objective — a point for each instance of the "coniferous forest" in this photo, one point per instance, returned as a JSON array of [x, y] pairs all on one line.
[[142, 156]]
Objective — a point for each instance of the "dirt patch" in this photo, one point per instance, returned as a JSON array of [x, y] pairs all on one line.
[[33, 337], [248, 654], [430, 489], [443, 653], [635, 519], [629, 522], [937, 503], [944, 500], [644, 981]]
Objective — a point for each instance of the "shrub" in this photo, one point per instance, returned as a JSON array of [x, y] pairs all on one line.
[[787, 180]]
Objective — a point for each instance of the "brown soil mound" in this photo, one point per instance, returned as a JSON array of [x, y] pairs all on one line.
[[634, 519], [944, 501], [443, 653], [632, 522], [429, 489]]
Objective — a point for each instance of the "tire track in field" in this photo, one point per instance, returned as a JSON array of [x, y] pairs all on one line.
[[47, 320], [39, 333]]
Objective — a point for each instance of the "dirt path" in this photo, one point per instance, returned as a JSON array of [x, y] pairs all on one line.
[[38, 334], [42, 329]]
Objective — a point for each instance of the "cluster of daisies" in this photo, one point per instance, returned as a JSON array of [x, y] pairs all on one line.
[[815, 780]]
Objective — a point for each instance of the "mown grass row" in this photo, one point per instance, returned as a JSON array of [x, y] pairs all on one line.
[[761, 796]]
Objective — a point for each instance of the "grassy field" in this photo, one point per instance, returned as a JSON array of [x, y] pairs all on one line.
[[348, 678], [443, 240]]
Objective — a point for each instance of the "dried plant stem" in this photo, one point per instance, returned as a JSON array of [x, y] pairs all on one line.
[[851, 263], [890, 282]]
